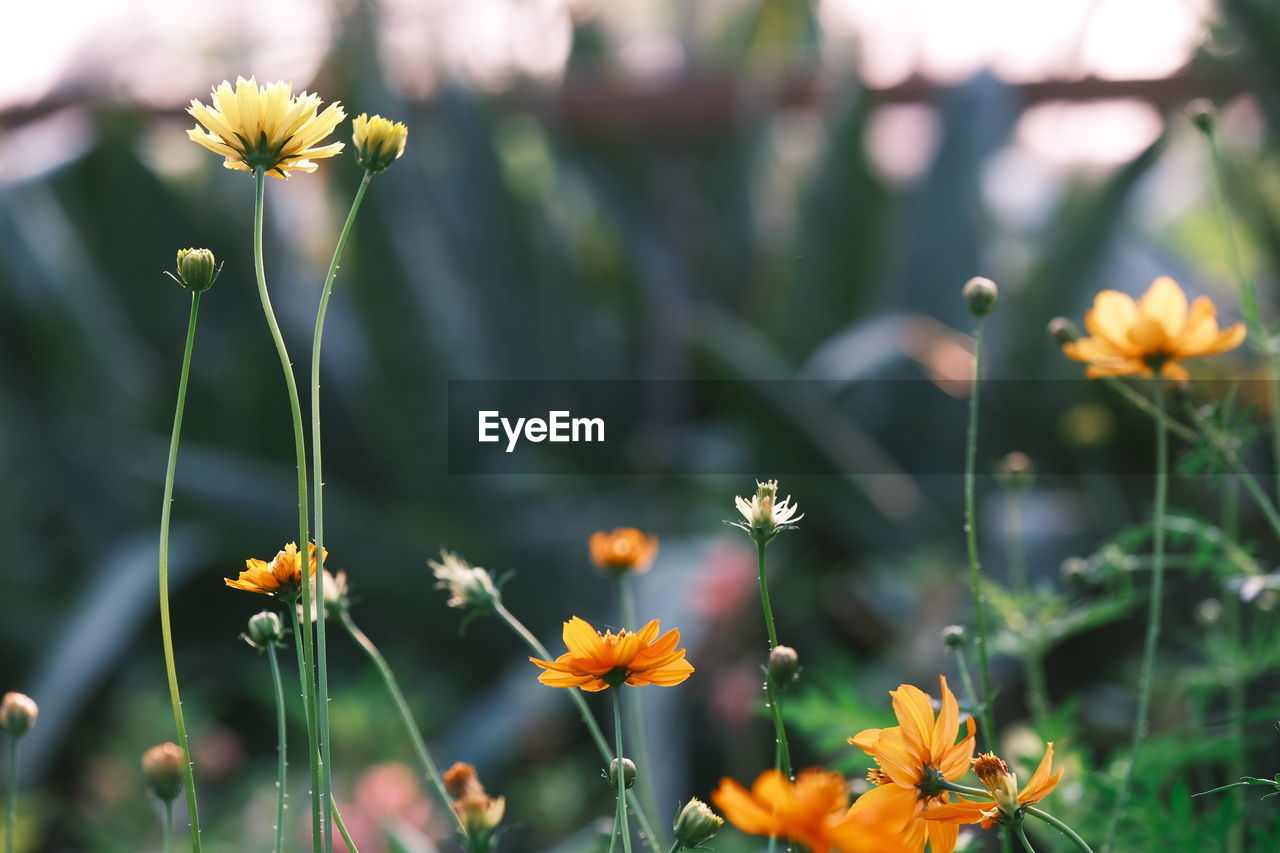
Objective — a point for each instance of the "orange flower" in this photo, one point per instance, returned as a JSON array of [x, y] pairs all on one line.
[[1002, 784], [914, 758], [598, 661], [812, 811], [479, 812], [624, 550], [281, 577], [1155, 333]]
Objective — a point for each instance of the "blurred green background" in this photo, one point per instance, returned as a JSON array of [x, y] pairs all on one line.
[[763, 189]]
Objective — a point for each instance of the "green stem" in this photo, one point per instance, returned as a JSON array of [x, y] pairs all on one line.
[[11, 805], [621, 820], [1061, 827], [282, 750], [1037, 688], [319, 823], [676, 847], [166, 627], [1022, 836], [1237, 686], [322, 659], [588, 720], [1250, 483], [971, 545], [635, 707], [781, 749], [402, 705], [166, 826], [342, 827], [1248, 300], [764, 596], [1147, 676]]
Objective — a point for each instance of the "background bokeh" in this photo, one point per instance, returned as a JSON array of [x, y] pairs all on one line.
[[656, 189]]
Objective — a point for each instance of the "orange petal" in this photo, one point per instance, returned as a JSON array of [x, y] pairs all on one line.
[[1165, 303]]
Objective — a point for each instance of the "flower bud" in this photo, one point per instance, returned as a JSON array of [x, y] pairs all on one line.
[[379, 142], [696, 824], [265, 629], [628, 773], [1015, 472], [197, 269], [1203, 114], [1062, 330], [999, 781], [18, 713], [783, 663], [470, 587], [162, 765], [980, 295], [953, 636]]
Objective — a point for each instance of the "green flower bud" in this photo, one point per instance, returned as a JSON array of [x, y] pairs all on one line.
[[1062, 330], [953, 636], [1203, 114], [696, 824], [980, 295], [18, 713], [783, 663], [197, 269], [162, 765], [265, 629], [628, 773]]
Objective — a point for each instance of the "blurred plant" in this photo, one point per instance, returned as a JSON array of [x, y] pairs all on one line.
[[478, 812], [18, 713], [266, 634], [163, 767]]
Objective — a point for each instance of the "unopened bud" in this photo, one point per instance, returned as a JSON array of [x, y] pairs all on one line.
[[696, 824], [1015, 472], [953, 636], [1062, 330], [1203, 114], [18, 713], [197, 269], [980, 295], [1209, 611], [783, 663], [628, 773], [265, 629], [379, 142], [1075, 569], [162, 765]]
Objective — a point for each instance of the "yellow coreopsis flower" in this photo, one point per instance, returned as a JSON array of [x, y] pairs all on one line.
[[379, 141], [281, 577], [1154, 333], [598, 661], [266, 127]]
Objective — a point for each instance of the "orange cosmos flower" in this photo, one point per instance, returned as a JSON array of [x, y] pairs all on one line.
[[624, 550], [914, 758], [812, 811], [598, 661], [281, 577], [1154, 333], [1006, 800]]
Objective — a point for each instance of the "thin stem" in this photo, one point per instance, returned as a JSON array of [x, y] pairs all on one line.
[[1248, 300], [281, 746], [11, 804], [635, 707], [342, 827], [166, 826], [966, 678], [1250, 483], [764, 596], [971, 543], [1061, 827], [319, 828], [166, 627], [402, 705], [1022, 836], [1032, 659], [322, 659], [621, 821], [1147, 676], [1237, 686], [588, 720], [676, 847]]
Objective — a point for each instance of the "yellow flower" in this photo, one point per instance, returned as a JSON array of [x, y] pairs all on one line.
[[914, 758], [1155, 333], [624, 550], [266, 127], [812, 811], [379, 142], [598, 661], [479, 812], [1002, 784], [281, 577]]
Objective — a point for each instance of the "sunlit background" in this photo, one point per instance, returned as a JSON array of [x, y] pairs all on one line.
[[658, 189]]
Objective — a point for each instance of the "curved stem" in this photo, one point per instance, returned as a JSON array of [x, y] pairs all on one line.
[[764, 596], [635, 708], [402, 705], [322, 658], [281, 746], [1061, 827], [621, 820], [971, 544], [1022, 836], [166, 627], [11, 806], [1151, 645], [319, 823], [593, 728], [342, 827], [781, 749]]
